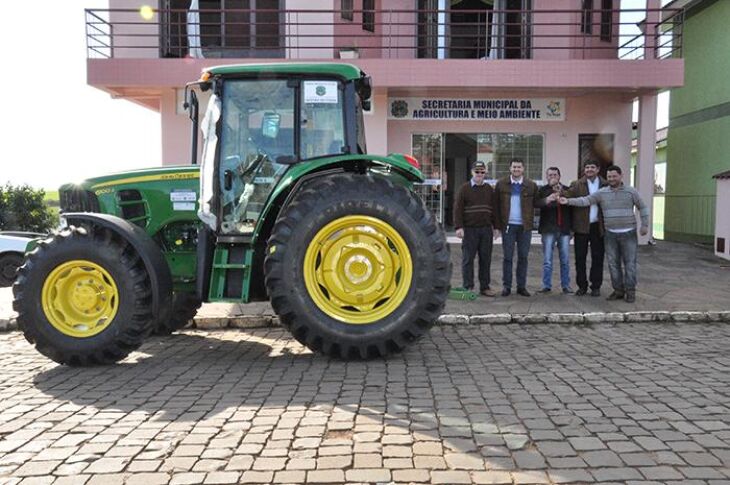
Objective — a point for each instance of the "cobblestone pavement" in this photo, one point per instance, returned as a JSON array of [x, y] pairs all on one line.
[[469, 404]]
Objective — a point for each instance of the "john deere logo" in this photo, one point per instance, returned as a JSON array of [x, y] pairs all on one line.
[[399, 109], [321, 90]]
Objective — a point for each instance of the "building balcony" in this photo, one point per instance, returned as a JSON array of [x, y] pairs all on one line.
[[134, 52]]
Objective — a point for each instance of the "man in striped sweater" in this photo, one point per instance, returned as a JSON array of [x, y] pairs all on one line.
[[617, 203], [474, 221]]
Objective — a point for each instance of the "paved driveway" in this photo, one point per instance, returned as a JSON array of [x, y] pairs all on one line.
[[469, 404]]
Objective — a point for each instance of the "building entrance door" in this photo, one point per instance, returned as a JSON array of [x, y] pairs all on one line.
[[460, 151]]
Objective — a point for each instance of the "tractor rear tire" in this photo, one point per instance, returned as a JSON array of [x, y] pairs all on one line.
[[9, 264], [84, 297], [184, 308], [357, 267]]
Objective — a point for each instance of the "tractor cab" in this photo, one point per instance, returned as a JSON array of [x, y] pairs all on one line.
[[257, 125]]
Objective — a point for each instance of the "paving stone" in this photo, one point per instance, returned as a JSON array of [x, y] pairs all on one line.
[[570, 476], [531, 477], [464, 461], [616, 474], [586, 443], [368, 475], [108, 465], [325, 476], [411, 476], [290, 476], [150, 479], [252, 476], [661, 473], [368, 460], [450, 477], [329, 462], [492, 478], [222, 477]]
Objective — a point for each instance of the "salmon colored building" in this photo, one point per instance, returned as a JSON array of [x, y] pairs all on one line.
[[550, 81]]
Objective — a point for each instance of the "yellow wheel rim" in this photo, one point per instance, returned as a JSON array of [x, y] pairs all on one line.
[[80, 298], [358, 269]]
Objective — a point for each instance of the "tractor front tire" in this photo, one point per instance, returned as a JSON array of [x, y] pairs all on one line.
[[357, 267], [184, 308], [84, 297]]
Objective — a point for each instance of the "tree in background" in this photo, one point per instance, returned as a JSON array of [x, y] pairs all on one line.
[[22, 208]]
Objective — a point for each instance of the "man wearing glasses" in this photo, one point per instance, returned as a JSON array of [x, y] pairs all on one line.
[[474, 220]]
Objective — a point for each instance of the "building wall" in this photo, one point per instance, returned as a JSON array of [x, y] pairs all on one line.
[[561, 138], [310, 41], [698, 141], [134, 36]]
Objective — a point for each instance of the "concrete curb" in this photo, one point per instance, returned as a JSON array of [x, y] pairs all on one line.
[[452, 319]]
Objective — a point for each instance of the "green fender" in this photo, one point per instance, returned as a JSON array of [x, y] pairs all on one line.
[[394, 163]]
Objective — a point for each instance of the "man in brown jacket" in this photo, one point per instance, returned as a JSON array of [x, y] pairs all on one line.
[[474, 218], [515, 202], [588, 230]]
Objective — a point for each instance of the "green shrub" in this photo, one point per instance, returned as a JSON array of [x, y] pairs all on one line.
[[22, 208]]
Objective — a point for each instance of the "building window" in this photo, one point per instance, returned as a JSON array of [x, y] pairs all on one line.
[[606, 19], [368, 15], [346, 9], [586, 23]]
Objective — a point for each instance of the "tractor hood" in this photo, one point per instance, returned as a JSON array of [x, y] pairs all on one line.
[[135, 177]]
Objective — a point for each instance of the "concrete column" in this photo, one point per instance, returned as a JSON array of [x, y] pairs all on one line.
[[646, 155], [649, 27]]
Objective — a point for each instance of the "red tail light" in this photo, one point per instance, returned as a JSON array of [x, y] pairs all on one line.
[[412, 160]]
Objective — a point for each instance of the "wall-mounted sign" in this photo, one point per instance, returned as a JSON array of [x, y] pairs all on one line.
[[477, 109], [321, 92]]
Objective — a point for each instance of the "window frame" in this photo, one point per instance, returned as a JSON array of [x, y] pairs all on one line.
[[586, 22], [347, 10], [368, 15], [606, 20]]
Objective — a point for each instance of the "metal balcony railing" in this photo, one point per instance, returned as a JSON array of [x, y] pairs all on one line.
[[392, 34]]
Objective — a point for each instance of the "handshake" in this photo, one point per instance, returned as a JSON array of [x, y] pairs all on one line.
[[556, 197]]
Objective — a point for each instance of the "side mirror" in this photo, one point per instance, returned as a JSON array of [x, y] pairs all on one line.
[[270, 125]]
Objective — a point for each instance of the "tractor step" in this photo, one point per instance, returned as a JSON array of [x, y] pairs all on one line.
[[231, 272]]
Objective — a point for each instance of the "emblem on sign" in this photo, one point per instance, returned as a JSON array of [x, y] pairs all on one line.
[[554, 108], [399, 108], [321, 90]]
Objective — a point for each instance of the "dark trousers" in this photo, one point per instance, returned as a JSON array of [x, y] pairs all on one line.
[[515, 235], [595, 241], [621, 249], [477, 240]]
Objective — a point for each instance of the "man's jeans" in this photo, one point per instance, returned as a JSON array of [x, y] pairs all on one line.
[[621, 249], [548, 248], [477, 240], [513, 235]]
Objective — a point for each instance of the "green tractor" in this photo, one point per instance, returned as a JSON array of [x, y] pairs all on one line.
[[285, 206]]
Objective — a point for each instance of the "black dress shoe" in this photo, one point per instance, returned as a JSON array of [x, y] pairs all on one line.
[[506, 292], [545, 290], [596, 292], [523, 292], [616, 295], [581, 292], [630, 296], [567, 290]]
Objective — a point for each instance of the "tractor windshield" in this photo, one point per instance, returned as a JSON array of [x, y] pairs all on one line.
[[257, 131], [259, 139]]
